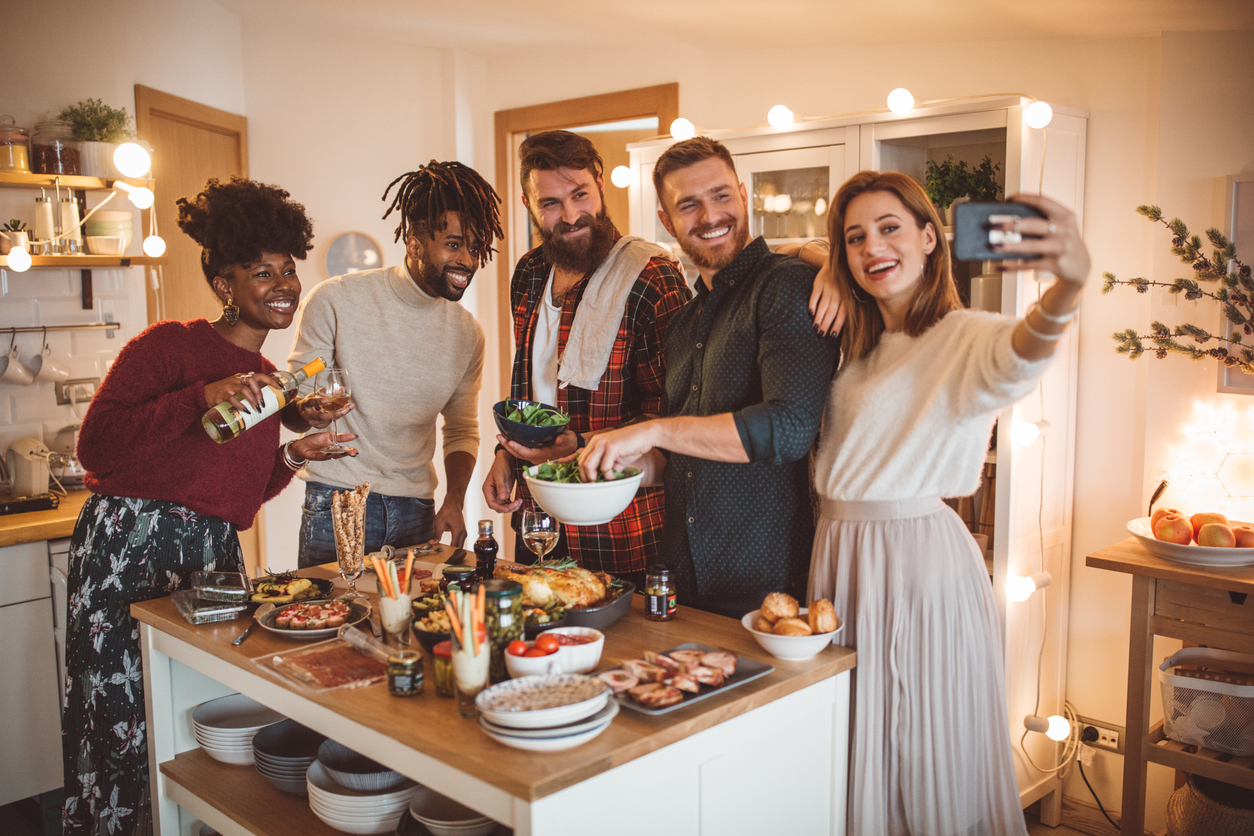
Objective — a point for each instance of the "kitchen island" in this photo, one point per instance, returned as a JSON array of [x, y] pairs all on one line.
[[769, 756]]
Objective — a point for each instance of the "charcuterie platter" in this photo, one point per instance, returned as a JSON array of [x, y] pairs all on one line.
[[307, 620], [651, 686]]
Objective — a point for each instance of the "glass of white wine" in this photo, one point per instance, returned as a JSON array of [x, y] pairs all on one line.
[[540, 531], [333, 393]]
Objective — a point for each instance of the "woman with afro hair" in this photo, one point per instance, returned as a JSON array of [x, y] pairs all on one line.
[[167, 500]]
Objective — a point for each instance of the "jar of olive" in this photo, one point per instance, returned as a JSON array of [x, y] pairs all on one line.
[[503, 618], [442, 668], [659, 593]]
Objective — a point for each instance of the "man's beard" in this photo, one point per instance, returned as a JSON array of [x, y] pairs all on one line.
[[437, 279], [582, 255], [703, 257]]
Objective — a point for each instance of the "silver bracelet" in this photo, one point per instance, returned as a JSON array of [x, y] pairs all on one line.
[[1054, 318], [1049, 338], [291, 463]]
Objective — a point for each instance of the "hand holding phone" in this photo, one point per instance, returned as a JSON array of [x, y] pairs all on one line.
[[978, 226]]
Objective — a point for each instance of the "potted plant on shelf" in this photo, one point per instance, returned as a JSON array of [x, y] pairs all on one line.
[[99, 128], [9, 236], [952, 181]]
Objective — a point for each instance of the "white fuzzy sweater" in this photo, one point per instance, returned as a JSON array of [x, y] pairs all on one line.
[[913, 418]]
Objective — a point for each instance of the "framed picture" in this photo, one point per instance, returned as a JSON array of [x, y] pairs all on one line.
[[1239, 227]]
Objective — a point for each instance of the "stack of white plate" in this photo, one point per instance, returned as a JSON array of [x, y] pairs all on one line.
[[356, 812], [225, 727], [546, 713], [443, 816], [283, 754]]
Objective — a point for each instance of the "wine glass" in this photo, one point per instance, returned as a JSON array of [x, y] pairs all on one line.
[[333, 392], [539, 531]]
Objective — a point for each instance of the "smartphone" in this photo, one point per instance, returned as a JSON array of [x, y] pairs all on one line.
[[975, 228]]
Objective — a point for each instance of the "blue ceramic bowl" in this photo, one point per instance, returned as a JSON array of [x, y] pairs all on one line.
[[524, 434]]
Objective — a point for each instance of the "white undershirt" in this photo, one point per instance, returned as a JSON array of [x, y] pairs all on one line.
[[544, 347]]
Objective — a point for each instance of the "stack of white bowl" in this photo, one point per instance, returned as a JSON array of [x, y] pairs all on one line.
[[443, 816], [225, 727], [356, 812], [109, 232], [283, 754], [546, 713], [355, 771]]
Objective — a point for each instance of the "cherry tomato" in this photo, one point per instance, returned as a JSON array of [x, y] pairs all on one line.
[[548, 642], [517, 647], [535, 651]]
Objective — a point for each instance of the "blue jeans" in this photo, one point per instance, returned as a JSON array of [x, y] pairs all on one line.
[[390, 521]]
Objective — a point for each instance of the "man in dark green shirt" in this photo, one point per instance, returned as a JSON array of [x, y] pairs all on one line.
[[747, 376]]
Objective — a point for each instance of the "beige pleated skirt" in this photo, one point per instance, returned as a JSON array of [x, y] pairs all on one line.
[[930, 745]]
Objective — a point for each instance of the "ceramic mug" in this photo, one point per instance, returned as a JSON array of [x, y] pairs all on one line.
[[46, 368], [12, 370]]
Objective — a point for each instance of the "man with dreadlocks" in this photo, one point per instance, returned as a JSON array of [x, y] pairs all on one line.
[[412, 354], [590, 310]]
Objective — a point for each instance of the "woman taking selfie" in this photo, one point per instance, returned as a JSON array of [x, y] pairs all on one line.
[[166, 500], [907, 423]]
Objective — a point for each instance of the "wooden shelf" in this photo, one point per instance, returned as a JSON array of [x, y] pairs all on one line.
[[1198, 761], [69, 181], [77, 262]]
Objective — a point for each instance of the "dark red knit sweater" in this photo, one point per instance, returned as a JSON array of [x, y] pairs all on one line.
[[142, 436]]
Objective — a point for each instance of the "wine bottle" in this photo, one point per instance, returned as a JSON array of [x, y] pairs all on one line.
[[486, 550], [224, 422]]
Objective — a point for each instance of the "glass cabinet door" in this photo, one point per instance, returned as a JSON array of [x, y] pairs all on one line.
[[789, 191]]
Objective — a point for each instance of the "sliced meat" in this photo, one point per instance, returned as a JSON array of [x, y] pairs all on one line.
[[660, 697], [689, 657], [706, 676], [618, 680], [639, 691], [720, 660], [661, 660], [643, 671], [684, 683]]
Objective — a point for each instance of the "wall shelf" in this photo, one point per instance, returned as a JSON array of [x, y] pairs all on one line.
[[68, 181], [78, 262]]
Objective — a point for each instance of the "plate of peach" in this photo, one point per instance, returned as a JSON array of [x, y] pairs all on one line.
[[1204, 539]]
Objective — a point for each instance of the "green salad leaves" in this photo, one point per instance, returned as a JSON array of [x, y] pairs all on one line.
[[568, 472], [536, 415]]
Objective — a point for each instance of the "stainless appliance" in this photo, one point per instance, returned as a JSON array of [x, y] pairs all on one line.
[[67, 471]]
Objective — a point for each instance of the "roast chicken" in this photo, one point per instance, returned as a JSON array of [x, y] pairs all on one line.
[[547, 587]]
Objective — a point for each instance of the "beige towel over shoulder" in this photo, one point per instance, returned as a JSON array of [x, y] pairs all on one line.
[[600, 312]]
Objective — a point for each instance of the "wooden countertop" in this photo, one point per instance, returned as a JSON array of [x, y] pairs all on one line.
[[429, 723], [1130, 557], [43, 525]]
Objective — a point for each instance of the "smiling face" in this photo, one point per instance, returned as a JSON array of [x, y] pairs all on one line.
[[443, 262], [266, 291], [567, 206], [886, 251], [705, 207]]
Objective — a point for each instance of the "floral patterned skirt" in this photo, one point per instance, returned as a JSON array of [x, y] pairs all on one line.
[[123, 551]]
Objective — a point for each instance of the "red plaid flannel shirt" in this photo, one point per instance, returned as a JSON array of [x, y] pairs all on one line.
[[632, 388]]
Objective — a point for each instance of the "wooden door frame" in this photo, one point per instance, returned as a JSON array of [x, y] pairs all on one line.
[[661, 100]]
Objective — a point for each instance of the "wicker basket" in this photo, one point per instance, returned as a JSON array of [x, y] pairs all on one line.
[[1191, 812]]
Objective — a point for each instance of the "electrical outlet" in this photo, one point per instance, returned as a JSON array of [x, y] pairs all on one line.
[[1086, 754], [1101, 735], [84, 389]]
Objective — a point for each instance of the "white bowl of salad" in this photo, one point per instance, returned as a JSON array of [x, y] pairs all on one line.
[[558, 489]]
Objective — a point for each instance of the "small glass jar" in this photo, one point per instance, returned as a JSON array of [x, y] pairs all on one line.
[[463, 576], [53, 148], [405, 673], [442, 668], [659, 593], [14, 146], [503, 618]]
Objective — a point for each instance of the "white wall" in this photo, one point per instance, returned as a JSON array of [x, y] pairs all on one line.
[[183, 47], [1153, 136]]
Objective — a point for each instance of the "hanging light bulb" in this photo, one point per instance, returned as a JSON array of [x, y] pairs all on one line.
[[19, 260], [154, 245], [1055, 727], [1025, 433], [779, 116], [682, 129], [820, 207], [140, 196], [132, 159], [621, 176], [900, 100], [1021, 588], [1038, 114]]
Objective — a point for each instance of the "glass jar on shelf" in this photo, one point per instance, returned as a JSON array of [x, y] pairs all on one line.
[[503, 618], [14, 146], [53, 148]]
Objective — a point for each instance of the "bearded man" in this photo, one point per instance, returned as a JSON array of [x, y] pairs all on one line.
[[412, 354], [591, 308], [748, 372]]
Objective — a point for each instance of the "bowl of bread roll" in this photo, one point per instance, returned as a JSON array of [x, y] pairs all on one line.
[[789, 631]]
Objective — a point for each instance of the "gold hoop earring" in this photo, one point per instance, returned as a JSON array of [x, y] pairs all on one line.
[[861, 295], [230, 311]]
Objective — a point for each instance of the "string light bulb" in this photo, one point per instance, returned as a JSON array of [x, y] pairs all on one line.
[[900, 100], [19, 260], [1055, 727], [621, 176], [142, 197], [1038, 114], [1021, 588], [154, 245], [779, 116], [682, 129], [1025, 433], [132, 159]]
